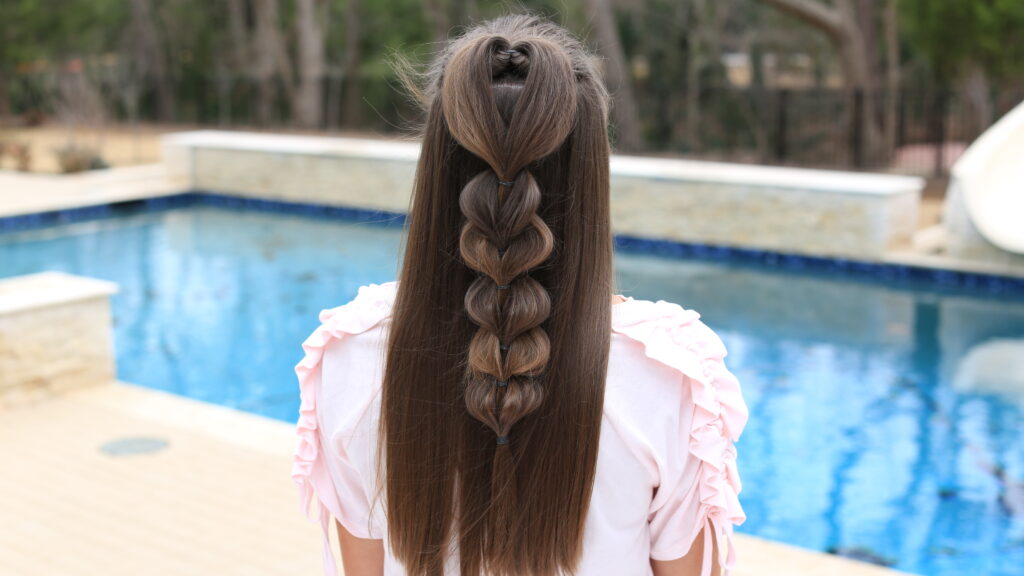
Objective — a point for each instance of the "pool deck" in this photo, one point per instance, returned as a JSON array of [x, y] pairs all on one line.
[[31, 193], [218, 499]]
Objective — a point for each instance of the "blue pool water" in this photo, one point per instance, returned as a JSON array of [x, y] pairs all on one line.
[[872, 433]]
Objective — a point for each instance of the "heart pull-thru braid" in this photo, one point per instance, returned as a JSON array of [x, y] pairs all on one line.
[[504, 237], [509, 316]]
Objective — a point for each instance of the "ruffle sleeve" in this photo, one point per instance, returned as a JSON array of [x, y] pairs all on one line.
[[310, 469], [678, 338]]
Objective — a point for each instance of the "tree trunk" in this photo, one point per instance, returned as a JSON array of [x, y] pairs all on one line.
[[976, 89], [617, 77], [867, 25], [238, 28], [853, 56], [839, 22], [693, 20], [351, 109], [307, 101], [437, 18], [857, 72], [5, 100], [694, 65], [892, 75], [240, 62], [148, 45], [703, 26], [266, 38]]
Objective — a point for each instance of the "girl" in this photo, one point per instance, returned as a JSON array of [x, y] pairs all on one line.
[[497, 410]]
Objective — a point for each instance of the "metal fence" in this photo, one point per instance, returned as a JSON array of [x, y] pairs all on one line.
[[917, 130]]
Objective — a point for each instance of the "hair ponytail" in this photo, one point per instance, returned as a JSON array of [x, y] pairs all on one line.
[[514, 107]]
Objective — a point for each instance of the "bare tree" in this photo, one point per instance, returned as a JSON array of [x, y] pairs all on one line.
[[79, 101], [266, 40], [128, 82], [147, 47], [840, 22], [350, 67], [237, 60], [239, 53], [5, 99], [263, 52], [616, 75], [307, 101], [892, 73], [272, 66], [437, 17], [704, 23], [866, 16]]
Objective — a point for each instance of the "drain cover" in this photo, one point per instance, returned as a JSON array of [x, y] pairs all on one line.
[[133, 446]]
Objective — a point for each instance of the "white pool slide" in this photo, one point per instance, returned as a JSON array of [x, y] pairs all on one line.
[[989, 178]]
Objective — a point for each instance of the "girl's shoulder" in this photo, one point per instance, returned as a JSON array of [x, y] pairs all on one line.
[[677, 407], [664, 326], [371, 305], [335, 387], [675, 338]]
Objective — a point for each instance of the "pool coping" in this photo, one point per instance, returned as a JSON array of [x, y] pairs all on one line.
[[895, 268], [622, 165], [47, 289]]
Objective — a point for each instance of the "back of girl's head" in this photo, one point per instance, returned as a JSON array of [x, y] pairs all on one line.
[[499, 335]]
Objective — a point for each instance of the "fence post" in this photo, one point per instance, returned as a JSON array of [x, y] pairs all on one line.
[[857, 129], [223, 98], [901, 117], [939, 130], [780, 125], [333, 101]]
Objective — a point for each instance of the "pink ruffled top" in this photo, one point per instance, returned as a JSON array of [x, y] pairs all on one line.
[[666, 466]]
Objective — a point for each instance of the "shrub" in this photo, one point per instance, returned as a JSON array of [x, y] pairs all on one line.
[[72, 158], [19, 152]]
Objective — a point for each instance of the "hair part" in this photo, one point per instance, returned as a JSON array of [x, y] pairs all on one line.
[[499, 336]]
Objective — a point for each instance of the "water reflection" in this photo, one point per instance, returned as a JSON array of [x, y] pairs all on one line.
[[886, 421]]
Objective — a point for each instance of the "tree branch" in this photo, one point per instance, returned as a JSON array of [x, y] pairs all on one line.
[[816, 14]]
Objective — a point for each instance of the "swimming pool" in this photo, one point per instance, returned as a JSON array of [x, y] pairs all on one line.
[[871, 434]]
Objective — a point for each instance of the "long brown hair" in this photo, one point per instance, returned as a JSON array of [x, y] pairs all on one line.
[[499, 336]]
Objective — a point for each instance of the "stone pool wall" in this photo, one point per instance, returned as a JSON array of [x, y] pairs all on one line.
[[54, 335], [810, 212]]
